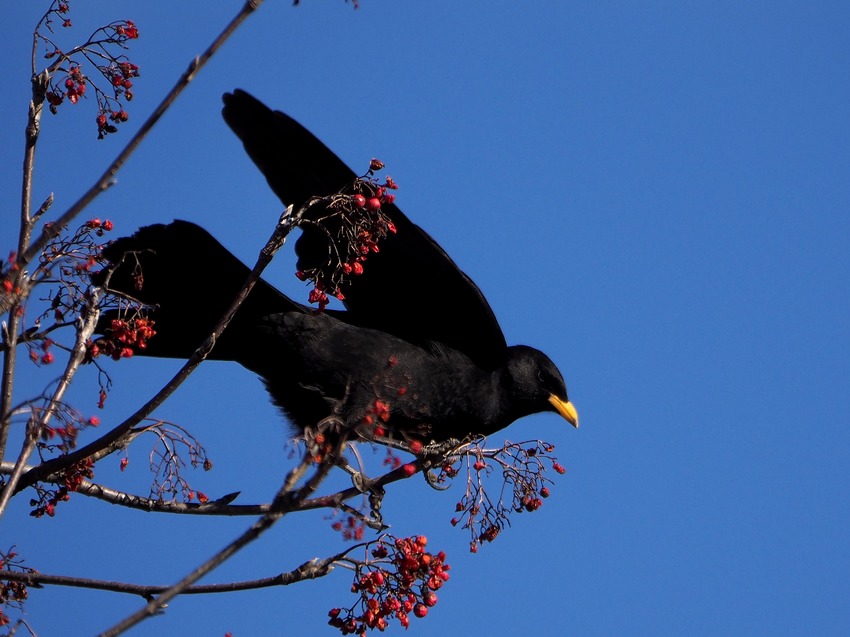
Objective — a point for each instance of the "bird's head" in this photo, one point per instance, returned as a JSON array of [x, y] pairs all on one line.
[[537, 385]]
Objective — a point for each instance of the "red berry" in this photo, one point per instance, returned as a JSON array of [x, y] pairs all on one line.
[[420, 610], [373, 204], [409, 469], [359, 200]]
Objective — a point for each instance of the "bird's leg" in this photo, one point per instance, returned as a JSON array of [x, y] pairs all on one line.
[[358, 476], [364, 485], [437, 454], [373, 521], [440, 451]]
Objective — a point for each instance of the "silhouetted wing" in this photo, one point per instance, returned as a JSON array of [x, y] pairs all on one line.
[[411, 288], [191, 280]]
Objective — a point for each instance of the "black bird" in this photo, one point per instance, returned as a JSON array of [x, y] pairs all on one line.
[[429, 364]]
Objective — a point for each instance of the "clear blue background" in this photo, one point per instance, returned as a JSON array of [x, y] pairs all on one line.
[[654, 193]]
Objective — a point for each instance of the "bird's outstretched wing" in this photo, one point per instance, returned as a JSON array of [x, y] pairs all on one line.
[[411, 288]]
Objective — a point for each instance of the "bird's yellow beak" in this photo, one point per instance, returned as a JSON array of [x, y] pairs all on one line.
[[566, 409]]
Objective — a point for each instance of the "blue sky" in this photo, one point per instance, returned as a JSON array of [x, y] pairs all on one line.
[[655, 194]]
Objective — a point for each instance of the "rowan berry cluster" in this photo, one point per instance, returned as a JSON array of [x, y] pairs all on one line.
[[73, 478], [65, 433], [319, 445], [521, 468], [69, 82], [123, 339], [354, 223], [12, 592], [75, 88], [399, 580], [8, 271], [374, 419], [352, 529]]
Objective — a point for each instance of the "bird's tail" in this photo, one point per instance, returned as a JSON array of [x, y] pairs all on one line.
[[189, 279]]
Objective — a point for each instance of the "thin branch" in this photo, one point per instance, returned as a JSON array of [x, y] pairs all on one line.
[[36, 107], [7, 383], [333, 500], [309, 570]]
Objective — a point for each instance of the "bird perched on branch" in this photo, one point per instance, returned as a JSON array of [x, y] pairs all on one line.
[[430, 366]]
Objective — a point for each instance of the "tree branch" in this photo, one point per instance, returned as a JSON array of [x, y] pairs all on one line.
[[308, 570]]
